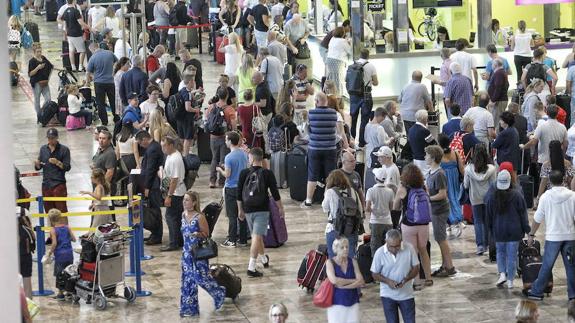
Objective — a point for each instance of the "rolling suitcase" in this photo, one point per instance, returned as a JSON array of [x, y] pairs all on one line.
[[193, 38], [48, 111], [297, 176], [467, 211], [564, 101], [32, 27], [212, 213], [152, 218], [226, 277], [522, 246], [364, 261], [531, 260], [527, 185], [312, 268], [74, 123], [51, 7], [278, 165], [204, 150], [277, 232], [220, 57]]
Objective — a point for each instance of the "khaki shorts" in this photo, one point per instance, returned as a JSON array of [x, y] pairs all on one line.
[[182, 35], [76, 44]]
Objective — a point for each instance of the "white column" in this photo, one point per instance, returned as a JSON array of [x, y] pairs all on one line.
[[9, 293]]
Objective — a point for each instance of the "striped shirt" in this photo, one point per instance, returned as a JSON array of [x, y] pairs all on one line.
[[459, 90], [322, 128]]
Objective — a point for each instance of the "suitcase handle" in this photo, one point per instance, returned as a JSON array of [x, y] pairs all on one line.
[[530, 251]]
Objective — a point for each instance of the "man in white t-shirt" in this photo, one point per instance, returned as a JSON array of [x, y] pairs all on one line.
[[97, 18], [467, 62], [385, 158], [484, 126], [545, 133], [363, 103], [61, 11], [173, 184]]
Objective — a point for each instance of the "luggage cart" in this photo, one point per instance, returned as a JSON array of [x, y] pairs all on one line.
[[108, 274]]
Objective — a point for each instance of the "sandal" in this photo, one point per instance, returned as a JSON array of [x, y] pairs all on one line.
[[428, 282]]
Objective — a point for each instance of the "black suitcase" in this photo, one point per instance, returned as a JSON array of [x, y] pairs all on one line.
[[152, 218], [48, 111], [32, 27], [364, 260], [522, 246], [531, 260], [51, 7], [212, 213], [297, 176], [564, 101], [527, 185], [226, 277], [204, 150]]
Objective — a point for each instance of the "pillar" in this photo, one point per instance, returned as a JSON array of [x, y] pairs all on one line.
[[400, 26], [551, 18], [484, 23], [9, 293], [356, 20]]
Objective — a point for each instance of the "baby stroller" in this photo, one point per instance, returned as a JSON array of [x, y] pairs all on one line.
[[65, 80], [98, 280]]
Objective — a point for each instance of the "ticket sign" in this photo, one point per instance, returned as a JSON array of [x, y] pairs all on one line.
[[108, 2], [375, 5]]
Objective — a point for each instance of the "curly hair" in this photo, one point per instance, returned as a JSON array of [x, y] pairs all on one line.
[[337, 179], [411, 176]]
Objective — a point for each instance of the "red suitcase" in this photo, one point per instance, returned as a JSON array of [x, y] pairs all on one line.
[[220, 57], [312, 268]]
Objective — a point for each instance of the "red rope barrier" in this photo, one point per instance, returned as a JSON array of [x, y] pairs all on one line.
[[178, 27]]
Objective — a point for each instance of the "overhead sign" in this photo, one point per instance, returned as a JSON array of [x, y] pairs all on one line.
[[520, 2], [108, 2], [375, 5]]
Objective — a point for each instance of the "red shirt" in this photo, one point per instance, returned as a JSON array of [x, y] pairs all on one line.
[[152, 63], [561, 115]]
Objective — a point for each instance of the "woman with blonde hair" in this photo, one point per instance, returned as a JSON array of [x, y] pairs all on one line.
[[244, 75], [159, 127], [233, 52], [278, 313], [530, 100]]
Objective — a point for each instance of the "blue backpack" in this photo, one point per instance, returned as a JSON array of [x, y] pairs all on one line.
[[418, 206], [26, 39]]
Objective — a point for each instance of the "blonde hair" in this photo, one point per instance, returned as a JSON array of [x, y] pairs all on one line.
[[55, 216], [235, 40], [525, 311], [15, 23], [71, 88], [329, 87], [195, 196], [157, 123], [533, 85]]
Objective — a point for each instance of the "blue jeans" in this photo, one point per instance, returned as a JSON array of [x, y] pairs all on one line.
[[357, 104], [507, 257], [407, 308], [479, 225], [40, 91], [330, 238], [231, 195], [552, 250]]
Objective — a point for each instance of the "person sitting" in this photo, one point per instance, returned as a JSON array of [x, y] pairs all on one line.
[[133, 114], [75, 100]]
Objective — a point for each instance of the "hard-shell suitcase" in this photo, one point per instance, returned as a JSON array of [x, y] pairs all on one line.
[[226, 277], [277, 231], [297, 176], [32, 27], [204, 150], [49, 110], [212, 213], [364, 261], [278, 164], [564, 101], [527, 185], [532, 262], [312, 268], [51, 7]]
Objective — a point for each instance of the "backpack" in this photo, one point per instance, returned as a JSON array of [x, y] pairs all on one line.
[[456, 144], [354, 79], [374, 160], [254, 192], [216, 123], [173, 16], [418, 206], [176, 108], [26, 233], [536, 71], [348, 215], [26, 38], [192, 165], [276, 137]]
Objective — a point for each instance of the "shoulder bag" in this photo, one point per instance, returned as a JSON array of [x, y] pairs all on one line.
[[205, 249], [323, 298]]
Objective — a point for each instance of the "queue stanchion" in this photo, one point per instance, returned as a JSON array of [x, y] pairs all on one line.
[[132, 271], [139, 273], [143, 255], [41, 250]]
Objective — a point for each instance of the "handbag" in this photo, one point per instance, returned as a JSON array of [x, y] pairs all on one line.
[[302, 50], [258, 123], [324, 296], [205, 249]]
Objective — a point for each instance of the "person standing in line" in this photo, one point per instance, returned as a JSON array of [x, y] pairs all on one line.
[[452, 126], [62, 238], [556, 208], [74, 25], [497, 90], [570, 89], [385, 157], [436, 183], [234, 163], [173, 183], [363, 103], [54, 160], [194, 271], [506, 214], [507, 141], [259, 17], [101, 71], [489, 68], [134, 81], [375, 137], [413, 97], [338, 54], [394, 266], [185, 124], [458, 89], [521, 44], [379, 203], [484, 126], [467, 62], [420, 137], [255, 184], [233, 53], [344, 273]]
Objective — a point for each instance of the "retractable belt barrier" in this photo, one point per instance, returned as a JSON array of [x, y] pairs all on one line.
[[134, 211], [199, 26]]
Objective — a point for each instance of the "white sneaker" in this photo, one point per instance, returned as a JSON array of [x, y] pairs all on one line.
[[502, 279], [510, 284]]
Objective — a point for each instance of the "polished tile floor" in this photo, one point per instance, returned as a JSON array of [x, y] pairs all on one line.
[[470, 296]]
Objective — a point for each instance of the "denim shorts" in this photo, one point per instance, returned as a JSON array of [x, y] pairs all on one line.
[[258, 222]]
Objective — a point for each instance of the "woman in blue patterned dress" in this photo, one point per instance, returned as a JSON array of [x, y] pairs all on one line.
[[453, 167], [195, 272]]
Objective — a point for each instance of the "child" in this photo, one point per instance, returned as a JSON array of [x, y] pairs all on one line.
[[379, 202], [75, 100], [101, 189], [541, 113], [61, 247]]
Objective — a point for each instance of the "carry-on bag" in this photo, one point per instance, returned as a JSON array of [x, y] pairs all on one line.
[[312, 268], [226, 277], [277, 231], [212, 213]]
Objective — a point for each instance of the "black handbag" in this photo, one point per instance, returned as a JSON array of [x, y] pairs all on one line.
[[302, 50], [205, 249]]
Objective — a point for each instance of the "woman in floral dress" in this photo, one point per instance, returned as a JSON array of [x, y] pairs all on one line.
[[195, 272]]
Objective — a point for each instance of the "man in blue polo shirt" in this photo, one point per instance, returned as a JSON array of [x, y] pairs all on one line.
[[101, 70], [133, 114]]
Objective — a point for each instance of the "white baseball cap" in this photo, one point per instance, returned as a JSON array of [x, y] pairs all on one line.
[[380, 174], [384, 151]]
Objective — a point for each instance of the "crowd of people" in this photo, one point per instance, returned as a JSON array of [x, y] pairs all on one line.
[[367, 173]]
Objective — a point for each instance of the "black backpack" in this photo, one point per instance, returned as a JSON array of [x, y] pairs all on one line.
[[536, 71], [173, 16], [176, 109], [348, 215], [254, 192], [354, 79], [216, 123]]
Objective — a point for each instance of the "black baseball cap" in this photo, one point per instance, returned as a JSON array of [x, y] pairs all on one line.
[[132, 95]]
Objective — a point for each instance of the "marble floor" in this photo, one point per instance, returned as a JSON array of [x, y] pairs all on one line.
[[470, 296]]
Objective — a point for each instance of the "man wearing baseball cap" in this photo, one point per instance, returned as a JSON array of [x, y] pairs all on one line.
[[385, 158], [133, 114], [378, 203], [54, 160]]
